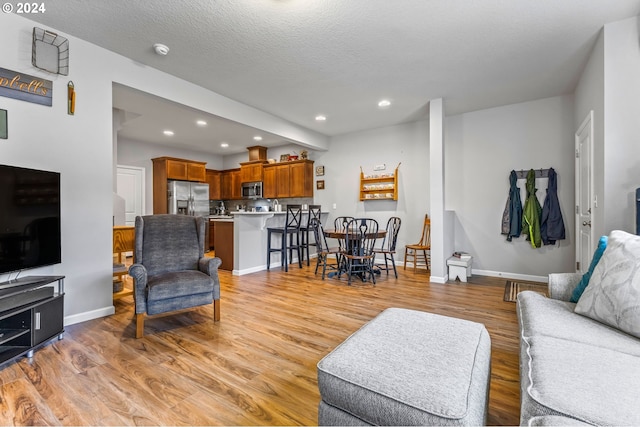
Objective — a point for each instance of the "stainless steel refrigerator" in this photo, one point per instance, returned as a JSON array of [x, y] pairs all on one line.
[[188, 198]]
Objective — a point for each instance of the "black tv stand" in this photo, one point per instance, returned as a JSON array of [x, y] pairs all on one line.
[[31, 313]]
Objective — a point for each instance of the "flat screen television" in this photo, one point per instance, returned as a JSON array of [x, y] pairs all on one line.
[[29, 218]]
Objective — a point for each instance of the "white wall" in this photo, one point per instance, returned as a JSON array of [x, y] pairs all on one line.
[[80, 148], [138, 153], [407, 144], [482, 147], [622, 123], [589, 95]]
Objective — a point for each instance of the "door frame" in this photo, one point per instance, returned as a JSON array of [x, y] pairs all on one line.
[[587, 123]]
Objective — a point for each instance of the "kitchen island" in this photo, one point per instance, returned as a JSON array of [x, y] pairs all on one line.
[[250, 240]]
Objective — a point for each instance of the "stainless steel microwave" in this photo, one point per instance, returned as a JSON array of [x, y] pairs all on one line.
[[252, 190]]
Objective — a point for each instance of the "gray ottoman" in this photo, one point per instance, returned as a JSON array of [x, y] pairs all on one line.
[[407, 367]]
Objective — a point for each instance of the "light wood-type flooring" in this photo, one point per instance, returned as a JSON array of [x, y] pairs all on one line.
[[257, 366]]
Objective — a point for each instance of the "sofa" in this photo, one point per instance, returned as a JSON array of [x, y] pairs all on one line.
[[582, 368]]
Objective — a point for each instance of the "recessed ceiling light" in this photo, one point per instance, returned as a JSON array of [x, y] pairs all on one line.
[[384, 103], [201, 123], [168, 132], [224, 145], [321, 118], [257, 138]]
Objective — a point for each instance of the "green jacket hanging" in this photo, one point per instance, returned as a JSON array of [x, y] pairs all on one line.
[[532, 212]]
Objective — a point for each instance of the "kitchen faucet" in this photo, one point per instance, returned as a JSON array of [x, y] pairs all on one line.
[[275, 203]]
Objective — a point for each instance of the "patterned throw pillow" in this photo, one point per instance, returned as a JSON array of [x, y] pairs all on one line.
[[613, 294]]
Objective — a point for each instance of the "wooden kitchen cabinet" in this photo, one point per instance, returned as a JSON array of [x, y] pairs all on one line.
[[213, 179], [230, 186], [211, 241], [283, 174], [290, 179], [167, 168], [301, 179], [251, 171], [184, 170], [223, 243], [269, 189]]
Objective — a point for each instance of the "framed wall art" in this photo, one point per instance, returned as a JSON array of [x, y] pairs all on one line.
[[319, 170], [320, 184], [284, 157]]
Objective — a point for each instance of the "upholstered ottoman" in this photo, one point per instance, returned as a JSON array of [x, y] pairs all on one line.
[[407, 367]]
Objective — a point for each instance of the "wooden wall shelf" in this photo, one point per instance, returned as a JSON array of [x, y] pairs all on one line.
[[383, 186]]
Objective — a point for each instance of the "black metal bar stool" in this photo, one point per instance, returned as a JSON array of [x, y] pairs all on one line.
[[306, 229], [289, 237]]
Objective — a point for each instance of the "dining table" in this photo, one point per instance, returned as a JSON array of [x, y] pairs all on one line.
[[342, 236]]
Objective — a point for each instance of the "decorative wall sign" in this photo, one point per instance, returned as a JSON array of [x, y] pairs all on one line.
[[319, 170], [284, 157], [25, 87], [320, 184], [3, 125]]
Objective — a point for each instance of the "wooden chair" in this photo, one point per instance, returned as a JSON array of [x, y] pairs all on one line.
[[358, 255], [123, 241], [323, 249], [418, 251], [388, 248]]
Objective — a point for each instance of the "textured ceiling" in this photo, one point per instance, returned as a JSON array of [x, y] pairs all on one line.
[[300, 58]]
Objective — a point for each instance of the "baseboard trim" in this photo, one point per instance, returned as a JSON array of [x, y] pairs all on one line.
[[507, 275], [439, 280], [89, 315]]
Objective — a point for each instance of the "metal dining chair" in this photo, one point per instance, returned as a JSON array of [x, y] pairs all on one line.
[[289, 236], [360, 240], [388, 247], [305, 230]]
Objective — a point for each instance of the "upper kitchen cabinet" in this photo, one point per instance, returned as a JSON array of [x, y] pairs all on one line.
[[288, 179], [181, 169], [230, 186], [301, 179], [251, 171], [213, 179], [167, 168]]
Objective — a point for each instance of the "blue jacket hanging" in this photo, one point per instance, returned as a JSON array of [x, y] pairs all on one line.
[[512, 216], [551, 223]]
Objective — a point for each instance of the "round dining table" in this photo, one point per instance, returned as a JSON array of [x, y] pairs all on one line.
[[342, 235]]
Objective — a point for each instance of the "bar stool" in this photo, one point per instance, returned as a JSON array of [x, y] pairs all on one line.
[[286, 234], [314, 213]]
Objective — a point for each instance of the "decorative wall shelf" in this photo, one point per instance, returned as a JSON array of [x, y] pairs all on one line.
[[382, 186]]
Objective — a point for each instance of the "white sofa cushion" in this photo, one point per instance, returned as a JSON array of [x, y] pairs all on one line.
[[613, 294]]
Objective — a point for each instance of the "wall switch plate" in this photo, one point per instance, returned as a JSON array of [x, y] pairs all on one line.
[[335, 206], [380, 167]]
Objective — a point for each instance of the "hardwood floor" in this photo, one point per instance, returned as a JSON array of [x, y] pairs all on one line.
[[257, 366]]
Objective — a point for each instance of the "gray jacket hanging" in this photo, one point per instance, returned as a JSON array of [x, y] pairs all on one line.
[[551, 222]]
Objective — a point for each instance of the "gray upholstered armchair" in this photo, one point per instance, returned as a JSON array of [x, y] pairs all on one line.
[[170, 271]]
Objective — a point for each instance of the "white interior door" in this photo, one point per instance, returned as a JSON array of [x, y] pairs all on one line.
[[130, 186], [584, 194]]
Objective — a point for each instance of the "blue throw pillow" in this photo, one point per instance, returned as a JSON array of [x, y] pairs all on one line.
[[582, 285]]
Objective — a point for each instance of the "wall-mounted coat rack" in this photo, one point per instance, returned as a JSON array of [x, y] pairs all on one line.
[[540, 173]]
